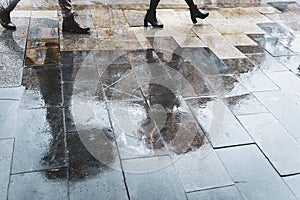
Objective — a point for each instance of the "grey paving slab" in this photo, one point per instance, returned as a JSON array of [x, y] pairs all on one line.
[[256, 81], [6, 148], [244, 104], [196, 172], [11, 93], [291, 62], [289, 84], [288, 117], [276, 143], [8, 118], [152, 178], [223, 193], [294, 184], [39, 185], [253, 175], [94, 167], [219, 124], [39, 140]]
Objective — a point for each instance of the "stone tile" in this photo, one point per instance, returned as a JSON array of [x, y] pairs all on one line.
[[136, 132], [38, 33], [240, 40], [288, 85], [159, 175], [42, 87], [222, 193], [94, 166], [267, 10], [39, 145], [206, 29], [250, 49], [274, 102], [272, 45], [184, 42], [219, 124], [226, 28], [10, 77], [266, 62], [135, 17], [245, 105], [221, 47], [226, 85], [246, 26], [6, 147], [43, 22], [194, 171], [44, 14], [8, 118], [291, 62], [257, 81], [275, 151], [11, 93], [44, 185], [238, 66], [294, 183], [252, 173]]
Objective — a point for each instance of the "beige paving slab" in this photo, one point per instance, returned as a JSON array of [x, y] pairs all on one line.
[[206, 29], [44, 14], [135, 17], [247, 27], [221, 47], [240, 40], [20, 13], [189, 42], [186, 18], [267, 10], [224, 27]]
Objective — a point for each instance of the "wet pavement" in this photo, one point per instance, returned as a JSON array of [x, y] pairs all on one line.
[[205, 111]]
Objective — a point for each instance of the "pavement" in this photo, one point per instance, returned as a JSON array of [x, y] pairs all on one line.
[[205, 111]]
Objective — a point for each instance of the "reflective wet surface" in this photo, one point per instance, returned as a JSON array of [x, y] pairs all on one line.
[[205, 111]]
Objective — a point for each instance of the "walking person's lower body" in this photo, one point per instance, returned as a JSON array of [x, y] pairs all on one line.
[[69, 23], [151, 13]]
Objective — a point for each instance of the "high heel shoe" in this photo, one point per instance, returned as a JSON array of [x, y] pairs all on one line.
[[196, 13], [151, 18]]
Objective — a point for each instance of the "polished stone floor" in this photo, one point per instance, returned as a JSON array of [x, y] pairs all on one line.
[[190, 112]]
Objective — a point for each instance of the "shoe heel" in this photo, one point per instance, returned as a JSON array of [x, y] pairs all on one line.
[[194, 20], [145, 23]]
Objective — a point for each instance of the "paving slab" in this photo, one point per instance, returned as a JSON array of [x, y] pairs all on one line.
[[293, 182], [219, 124], [43, 140], [6, 147], [280, 148], [253, 175], [44, 185], [287, 116], [195, 171], [160, 182], [8, 118], [222, 193]]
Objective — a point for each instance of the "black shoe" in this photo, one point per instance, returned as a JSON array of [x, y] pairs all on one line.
[[196, 13], [71, 26], [6, 21], [151, 18]]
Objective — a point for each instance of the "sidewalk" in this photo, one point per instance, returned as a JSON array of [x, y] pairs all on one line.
[[188, 112]]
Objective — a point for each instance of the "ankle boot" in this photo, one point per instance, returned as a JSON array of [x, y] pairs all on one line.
[[5, 20], [151, 18], [196, 13], [71, 26]]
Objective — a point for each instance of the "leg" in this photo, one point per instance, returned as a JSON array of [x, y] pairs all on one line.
[[151, 15], [69, 23], [6, 6], [195, 12]]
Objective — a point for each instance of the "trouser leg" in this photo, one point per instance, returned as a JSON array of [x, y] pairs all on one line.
[[8, 5], [66, 7]]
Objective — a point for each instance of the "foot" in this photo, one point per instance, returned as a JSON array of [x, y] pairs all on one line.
[[71, 26], [151, 18], [5, 20], [196, 13]]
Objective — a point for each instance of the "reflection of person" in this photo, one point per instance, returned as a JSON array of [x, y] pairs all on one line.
[[151, 13], [69, 23]]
